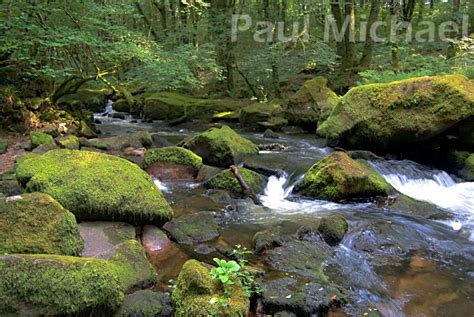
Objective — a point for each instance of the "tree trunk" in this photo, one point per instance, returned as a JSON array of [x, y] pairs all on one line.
[[367, 53]]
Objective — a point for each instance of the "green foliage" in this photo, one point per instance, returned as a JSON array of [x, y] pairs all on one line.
[[225, 271]]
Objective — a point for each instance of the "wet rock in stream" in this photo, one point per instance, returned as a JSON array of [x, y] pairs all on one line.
[[193, 228], [146, 303], [115, 242]]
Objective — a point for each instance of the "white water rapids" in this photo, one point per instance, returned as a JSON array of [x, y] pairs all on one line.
[[433, 186]]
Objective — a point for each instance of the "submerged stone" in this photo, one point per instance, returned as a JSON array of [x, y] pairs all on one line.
[[95, 186], [36, 223]]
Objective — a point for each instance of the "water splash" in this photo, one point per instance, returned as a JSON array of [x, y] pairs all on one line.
[[162, 186], [434, 186]]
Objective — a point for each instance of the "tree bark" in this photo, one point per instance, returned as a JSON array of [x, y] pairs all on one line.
[[248, 190]]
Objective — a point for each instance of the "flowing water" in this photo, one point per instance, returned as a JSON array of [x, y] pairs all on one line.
[[395, 261]]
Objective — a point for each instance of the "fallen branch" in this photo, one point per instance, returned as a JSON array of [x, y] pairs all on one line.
[[248, 190]]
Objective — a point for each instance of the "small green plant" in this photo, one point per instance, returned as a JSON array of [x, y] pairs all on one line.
[[225, 271]]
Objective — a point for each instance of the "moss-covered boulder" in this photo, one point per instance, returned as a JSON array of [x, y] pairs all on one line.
[[197, 294], [390, 116], [172, 162], [49, 285], [193, 228], [172, 106], [251, 115], [338, 177], [116, 242], [145, 303], [38, 138], [333, 228], [311, 104], [220, 147], [95, 186], [70, 142], [86, 131], [36, 223], [226, 180]]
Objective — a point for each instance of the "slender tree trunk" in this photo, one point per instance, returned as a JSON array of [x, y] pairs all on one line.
[[350, 58], [455, 18], [367, 53], [395, 14]]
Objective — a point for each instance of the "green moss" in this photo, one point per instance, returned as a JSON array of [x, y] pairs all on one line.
[[132, 266], [172, 106], [86, 131], [70, 142], [227, 116], [95, 186], [57, 285], [338, 177], [197, 294], [220, 147], [38, 138], [227, 181], [3, 146], [333, 228], [468, 170], [376, 115], [311, 104], [94, 143], [173, 154], [258, 112], [36, 223]]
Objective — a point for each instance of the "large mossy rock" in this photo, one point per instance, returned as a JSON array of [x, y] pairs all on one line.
[[172, 106], [48, 285], [172, 162], [39, 138], [197, 294], [226, 180], [393, 115], [338, 177], [115, 242], [251, 115], [95, 186], [36, 223], [220, 147], [311, 104]]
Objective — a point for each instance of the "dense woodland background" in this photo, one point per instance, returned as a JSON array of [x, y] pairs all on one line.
[[53, 48]]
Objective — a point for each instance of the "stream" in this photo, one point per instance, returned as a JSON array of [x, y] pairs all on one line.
[[392, 260]]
